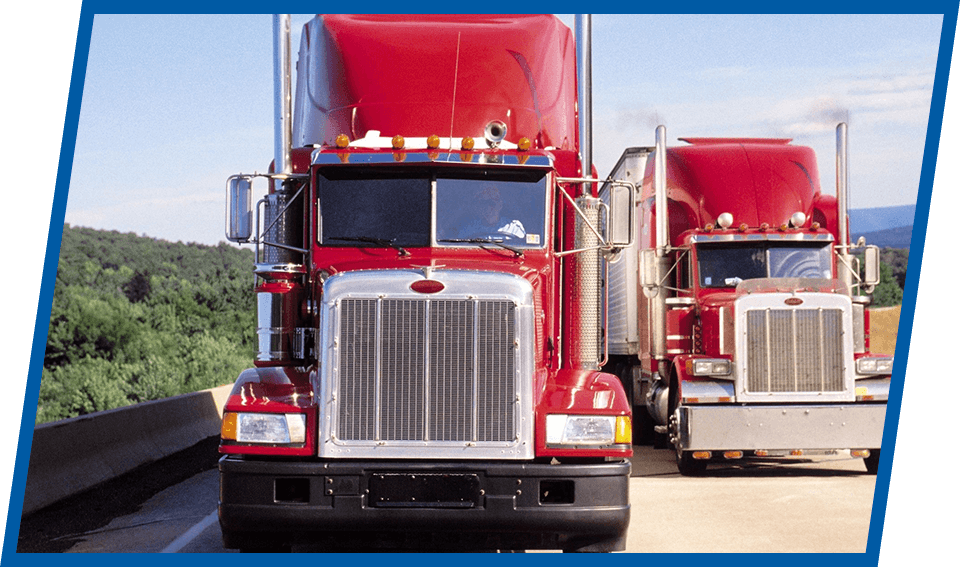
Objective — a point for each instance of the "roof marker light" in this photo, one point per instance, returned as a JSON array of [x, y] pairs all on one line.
[[797, 219], [397, 142], [725, 220], [523, 144], [466, 143], [342, 141], [433, 142]]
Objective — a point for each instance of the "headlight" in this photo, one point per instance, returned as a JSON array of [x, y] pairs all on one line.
[[874, 365], [275, 428], [708, 367], [588, 429]]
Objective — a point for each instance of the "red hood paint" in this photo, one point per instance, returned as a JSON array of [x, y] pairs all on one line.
[[378, 72], [756, 180]]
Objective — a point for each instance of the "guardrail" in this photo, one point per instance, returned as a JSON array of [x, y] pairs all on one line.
[[73, 455]]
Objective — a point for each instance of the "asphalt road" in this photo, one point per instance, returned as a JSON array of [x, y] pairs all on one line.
[[806, 506]]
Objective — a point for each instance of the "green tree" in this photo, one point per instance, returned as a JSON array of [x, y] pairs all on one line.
[[888, 292]]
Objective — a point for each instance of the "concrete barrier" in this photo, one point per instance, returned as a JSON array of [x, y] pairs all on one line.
[[73, 455]]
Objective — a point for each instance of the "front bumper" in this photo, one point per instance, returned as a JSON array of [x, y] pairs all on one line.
[[783, 427], [455, 506]]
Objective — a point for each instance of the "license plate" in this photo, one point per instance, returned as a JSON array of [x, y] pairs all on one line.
[[391, 490]]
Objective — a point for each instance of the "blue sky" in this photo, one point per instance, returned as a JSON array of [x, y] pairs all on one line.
[[174, 104]]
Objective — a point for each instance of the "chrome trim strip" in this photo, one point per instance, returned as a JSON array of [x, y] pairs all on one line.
[[420, 157], [818, 237]]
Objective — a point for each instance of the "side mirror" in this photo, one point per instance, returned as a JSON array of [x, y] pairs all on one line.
[[239, 209], [623, 216], [871, 266]]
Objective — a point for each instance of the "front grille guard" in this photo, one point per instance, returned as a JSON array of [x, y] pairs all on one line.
[[407, 375], [794, 354]]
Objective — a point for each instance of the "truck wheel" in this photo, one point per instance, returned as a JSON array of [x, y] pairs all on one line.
[[873, 461]]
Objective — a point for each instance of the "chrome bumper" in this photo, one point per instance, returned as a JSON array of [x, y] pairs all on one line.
[[835, 426]]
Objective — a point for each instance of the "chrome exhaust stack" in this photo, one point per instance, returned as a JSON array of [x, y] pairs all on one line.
[[282, 99], [846, 265], [583, 37]]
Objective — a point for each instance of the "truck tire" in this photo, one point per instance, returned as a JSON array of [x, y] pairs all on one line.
[[873, 461]]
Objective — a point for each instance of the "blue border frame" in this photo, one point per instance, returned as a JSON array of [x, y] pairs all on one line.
[[948, 8]]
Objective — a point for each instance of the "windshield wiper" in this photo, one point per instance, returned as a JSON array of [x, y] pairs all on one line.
[[371, 240], [516, 251]]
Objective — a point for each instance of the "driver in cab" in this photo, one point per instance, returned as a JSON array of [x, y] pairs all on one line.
[[488, 222]]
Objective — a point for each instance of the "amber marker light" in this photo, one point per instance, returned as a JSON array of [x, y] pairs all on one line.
[[524, 144], [815, 226], [796, 453], [764, 227], [228, 426], [433, 142], [733, 454], [466, 143], [860, 453], [743, 227], [702, 455], [342, 141], [624, 431], [397, 142]]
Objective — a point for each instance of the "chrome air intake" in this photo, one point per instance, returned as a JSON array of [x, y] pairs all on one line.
[[427, 375]]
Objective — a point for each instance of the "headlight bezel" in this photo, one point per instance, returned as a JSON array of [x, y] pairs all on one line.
[[716, 367], [874, 365], [264, 429], [588, 430]]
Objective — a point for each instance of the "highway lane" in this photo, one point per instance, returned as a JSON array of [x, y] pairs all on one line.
[[807, 506]]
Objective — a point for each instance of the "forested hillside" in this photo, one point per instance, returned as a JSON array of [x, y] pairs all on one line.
[[136, 319]]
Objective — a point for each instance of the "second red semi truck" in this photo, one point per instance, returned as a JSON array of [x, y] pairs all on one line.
[[738, 319], [428, 372]]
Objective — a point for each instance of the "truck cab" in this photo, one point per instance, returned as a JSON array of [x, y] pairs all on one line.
[[418, 384], [739, 323]]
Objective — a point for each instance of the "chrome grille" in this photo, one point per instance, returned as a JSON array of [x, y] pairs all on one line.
[[427, 370], [794, 350]]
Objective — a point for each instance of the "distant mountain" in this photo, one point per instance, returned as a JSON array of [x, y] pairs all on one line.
[[886, 227]]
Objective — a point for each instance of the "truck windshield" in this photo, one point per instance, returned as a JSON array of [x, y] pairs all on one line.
[[396, 208], [510, 211], [732, 263]]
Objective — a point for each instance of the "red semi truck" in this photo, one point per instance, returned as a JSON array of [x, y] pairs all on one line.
[[428, 251], [737, 320]]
